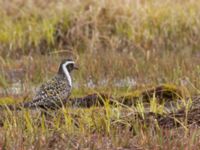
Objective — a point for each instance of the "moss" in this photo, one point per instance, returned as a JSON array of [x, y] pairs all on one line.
[[3, 82], [7, 100], [165, 92], [160, 94]]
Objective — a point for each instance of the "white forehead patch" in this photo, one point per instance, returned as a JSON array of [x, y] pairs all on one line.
[[64, 67]]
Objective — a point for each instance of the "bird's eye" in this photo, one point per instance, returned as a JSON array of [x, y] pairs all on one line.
[[71, 66]]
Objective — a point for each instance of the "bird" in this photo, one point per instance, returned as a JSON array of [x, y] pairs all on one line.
[[54, 92]]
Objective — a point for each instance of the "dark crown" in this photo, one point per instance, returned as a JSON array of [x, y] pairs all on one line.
[[69, 67]]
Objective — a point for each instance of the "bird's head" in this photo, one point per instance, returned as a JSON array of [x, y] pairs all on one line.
[[67, 65]]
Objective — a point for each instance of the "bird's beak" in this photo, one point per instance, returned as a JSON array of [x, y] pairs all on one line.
[[76, 67]]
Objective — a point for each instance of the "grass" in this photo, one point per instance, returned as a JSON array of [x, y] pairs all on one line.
[[89, 128], [121, 47]]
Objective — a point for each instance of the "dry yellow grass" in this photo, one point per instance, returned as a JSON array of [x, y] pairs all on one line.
[[144, 42]]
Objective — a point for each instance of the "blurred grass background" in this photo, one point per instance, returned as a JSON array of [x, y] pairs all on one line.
[[145, 42]]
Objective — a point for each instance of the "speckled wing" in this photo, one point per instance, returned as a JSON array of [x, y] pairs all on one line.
[[51, 94]]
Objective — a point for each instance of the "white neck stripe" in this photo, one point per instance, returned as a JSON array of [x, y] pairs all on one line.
[[64, 67]]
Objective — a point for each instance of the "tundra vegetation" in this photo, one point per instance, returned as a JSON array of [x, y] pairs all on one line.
[[139, 69]]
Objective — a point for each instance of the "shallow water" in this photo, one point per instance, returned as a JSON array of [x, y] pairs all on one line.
[[125, 82], [14, 89], [18, 87]]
